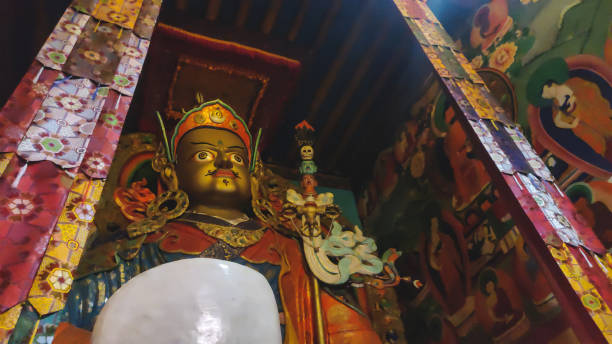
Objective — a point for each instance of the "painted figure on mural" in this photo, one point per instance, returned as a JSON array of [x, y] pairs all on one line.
[[531, 280], [498, 307], [574, 108], [445, 258], [393, 161], [212, 173], [469, 173]]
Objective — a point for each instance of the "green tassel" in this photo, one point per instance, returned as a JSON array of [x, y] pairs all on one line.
[[255, 150], [165, 136]]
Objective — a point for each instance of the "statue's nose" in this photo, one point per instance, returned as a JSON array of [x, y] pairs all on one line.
[[222, 161]]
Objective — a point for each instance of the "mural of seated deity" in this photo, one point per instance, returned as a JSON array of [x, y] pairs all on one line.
[[499, 308]]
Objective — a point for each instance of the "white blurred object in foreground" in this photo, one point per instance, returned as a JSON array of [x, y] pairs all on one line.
[[191, 301]]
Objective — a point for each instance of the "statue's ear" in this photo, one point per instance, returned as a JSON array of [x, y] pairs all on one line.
[[165, 167]]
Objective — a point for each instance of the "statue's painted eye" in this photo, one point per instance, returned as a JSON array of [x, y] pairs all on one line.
[[236, 158], [204, 156]]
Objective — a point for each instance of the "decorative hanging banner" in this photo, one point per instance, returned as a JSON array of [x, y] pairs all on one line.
[[5, 159], [467, 67], [103, 143], [448, 58], [31, 198], [62, 127], [121, 12], [499, 157], [8, 321], [582, 283], [564, 229], [56, 272], [61, 41], [507, 145], [133, 50], [411, 9], [485, 106], [417, 32], [148, 17], [434, 34], [462, 101], [532, 210], [432, 55], [96, 54], [21, 107], [529, 154], [101, 52], [588, 237]]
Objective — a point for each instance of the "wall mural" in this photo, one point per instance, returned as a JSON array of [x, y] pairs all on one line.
[[430, 197]]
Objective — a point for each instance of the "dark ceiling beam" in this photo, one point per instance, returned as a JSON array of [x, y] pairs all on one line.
[[365, 106], [243, 13], [326, 24], [363, 67], [299, 19], [212, 12], [270, 19], [181, 4], [355, 32]]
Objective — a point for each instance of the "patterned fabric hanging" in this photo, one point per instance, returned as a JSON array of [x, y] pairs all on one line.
[[8, 321], [56, 272], [462, 101], [588, 237], [467, 66], [21, 107], [105, 137], [433, 33], [148, 17], [61, 41], [120, 12], [411, 9], [564, 229], [31, 199], [133, 52], [507, 145], [62, 127], [96, 54], [529, 154], [98, 51], [498, 156]]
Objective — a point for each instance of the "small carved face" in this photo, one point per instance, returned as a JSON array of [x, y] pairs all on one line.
[[307, 153]]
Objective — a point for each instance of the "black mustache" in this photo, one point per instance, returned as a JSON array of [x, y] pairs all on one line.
[[212, 172]]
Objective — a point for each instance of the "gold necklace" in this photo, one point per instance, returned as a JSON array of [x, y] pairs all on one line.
[[233, 236]]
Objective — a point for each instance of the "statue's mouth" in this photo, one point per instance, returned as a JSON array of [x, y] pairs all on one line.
[[223, 173]]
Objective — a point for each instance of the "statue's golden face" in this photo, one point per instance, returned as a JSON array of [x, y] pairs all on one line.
[[212, 168]]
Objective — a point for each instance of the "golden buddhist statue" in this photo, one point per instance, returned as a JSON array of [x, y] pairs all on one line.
[[213, 189]]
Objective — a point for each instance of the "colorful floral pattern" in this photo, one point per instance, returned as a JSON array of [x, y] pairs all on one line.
[[21, 107], [133, 51], [147, 18], [54, 277], [60, 43], [105, 137], [503, 56], [498, 156], [120, 12], [31, 199], [97, 52], [61, 129], [529, 154], [584, 287], [433, 33], [564, 229]]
